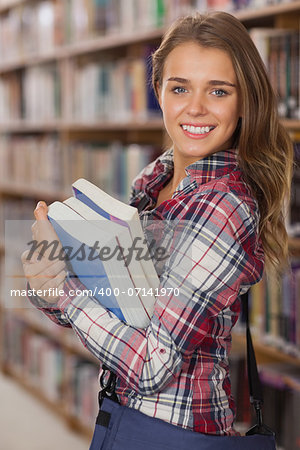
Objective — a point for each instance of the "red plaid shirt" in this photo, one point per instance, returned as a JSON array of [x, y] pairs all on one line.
[[177, 368]]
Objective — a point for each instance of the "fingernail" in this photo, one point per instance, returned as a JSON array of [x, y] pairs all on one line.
[[39, 204]]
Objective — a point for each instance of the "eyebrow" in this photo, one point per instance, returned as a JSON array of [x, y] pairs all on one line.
[[211, 82]]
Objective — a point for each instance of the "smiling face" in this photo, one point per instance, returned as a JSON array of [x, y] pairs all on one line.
[[199, 100]]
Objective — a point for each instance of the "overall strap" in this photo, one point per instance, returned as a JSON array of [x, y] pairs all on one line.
[[108, 382], [255, 388]]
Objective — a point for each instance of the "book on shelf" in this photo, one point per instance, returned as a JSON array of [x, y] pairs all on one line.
[[293, 219], [114, 90], [279, 50], [240, 388], [84, 387], [275, 310], [34, 357], [64, 378], [106, 248], [281, 391], [112, 165]]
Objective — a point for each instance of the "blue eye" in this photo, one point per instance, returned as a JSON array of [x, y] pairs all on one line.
[[219, 92], [179, 90]]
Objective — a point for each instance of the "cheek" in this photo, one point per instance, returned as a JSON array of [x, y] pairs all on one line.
[[229, 115], [171, 106], [173, 110]]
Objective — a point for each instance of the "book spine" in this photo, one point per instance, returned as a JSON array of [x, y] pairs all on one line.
[[279, 49], [274, 310], [115, 91], [60, 377], [21, 156], [98, 162]]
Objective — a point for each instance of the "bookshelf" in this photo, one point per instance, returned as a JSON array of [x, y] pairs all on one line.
[[264, 353], [271, 11], [58, 390], [48, 108]]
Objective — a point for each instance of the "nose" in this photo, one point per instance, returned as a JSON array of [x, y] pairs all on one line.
[[197, 105]]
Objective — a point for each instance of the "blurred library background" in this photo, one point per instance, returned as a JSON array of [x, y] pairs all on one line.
[[76, 101]]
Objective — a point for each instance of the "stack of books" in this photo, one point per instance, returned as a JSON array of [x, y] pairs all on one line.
[[104, 244]]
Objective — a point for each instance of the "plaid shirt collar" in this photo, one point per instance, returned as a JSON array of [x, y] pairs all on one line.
[[200, 172]]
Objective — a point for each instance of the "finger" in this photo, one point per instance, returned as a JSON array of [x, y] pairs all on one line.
[[25, 257], [50, 291], [33, 226], [30, 257], [42, 229], [44, 269], [43, 232], [52, 270], [41, 210], [46, 283], [54, 282], [35, 263]]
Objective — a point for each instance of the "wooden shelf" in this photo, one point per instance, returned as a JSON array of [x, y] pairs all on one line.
[[152, 124], [294, 246], [58, 408], [16, 374], [23, 126], [149, 124], [99, 44], [291, 124], [75, 424], [60, 338], [284, 7], [243, 15], [20, 190], [6, 5], [264, 353]]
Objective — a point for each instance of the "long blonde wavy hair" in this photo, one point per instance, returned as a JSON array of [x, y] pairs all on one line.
[[264, 147]]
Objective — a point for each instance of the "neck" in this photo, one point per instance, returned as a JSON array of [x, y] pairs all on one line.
[[179, 169]]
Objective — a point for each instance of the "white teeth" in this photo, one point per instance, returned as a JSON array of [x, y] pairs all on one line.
[[196, 130]]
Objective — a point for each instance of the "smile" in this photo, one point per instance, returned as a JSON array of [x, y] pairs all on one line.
[[197, 131]]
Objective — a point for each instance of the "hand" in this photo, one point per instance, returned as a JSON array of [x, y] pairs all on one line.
[[43, 268]]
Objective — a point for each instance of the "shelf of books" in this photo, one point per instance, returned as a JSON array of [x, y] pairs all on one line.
[[52, 366], [76, 102]]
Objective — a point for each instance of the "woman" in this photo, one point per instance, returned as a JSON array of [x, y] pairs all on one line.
[[223, 185]]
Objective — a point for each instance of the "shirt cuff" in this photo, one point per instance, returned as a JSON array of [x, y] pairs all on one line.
[[39, 302], [72, 286]]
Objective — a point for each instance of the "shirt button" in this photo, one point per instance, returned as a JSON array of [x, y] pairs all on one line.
[[162, 351]]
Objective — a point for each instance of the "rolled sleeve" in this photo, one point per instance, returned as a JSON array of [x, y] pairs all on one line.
[[51, 310]]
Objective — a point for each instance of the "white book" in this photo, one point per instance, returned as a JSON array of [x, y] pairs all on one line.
[[117, 212], [103, 273], [125, 243]]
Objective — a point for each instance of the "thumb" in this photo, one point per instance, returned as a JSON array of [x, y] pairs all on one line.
[[41, 210], [42, 230]]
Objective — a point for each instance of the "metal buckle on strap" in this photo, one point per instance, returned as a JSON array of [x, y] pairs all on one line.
[[107, 385]]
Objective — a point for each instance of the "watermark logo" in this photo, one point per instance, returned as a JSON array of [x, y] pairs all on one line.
[[140, 250]]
